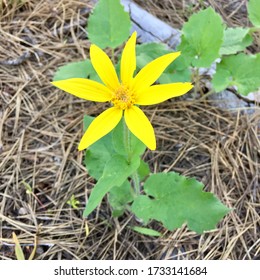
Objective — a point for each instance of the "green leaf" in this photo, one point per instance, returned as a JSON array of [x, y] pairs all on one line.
[[146, 231], [119, 197], [178, 71], [254, 12], [239, 70], [87, 120], [18, 250], [222, 78], [81, 69], [119, 134], [152, 51], [145, 53], [99, 153], [116, 171], [235, 40], [109, 25], [142, 60], [175, 200], [143, 170], [175, 76], [97, 156], [202, 37]]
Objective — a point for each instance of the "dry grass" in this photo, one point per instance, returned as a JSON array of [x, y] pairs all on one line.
[[176, 13], [41, 126]]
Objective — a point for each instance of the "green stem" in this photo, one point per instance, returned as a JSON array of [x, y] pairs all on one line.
[[195, 79], [136, 182], [253, 29], [127, 143], [113, 55]]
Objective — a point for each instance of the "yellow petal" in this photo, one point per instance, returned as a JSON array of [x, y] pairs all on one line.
[[152, 71], [100, 126], [128, 60], [85, 89], [140, 126], [104, 67], [159, 93]]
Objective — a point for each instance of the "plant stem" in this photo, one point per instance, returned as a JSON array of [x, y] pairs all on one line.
[[113, 55], [196, 77], [127, 143], [136, 182], [253, 29]]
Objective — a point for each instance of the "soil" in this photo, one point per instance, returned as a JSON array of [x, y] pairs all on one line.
[[41, 168]]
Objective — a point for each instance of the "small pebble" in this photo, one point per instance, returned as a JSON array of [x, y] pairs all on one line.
[[22, 211]]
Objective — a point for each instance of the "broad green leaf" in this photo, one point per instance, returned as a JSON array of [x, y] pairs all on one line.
[[175, 76], [254, 12], [178, 71], [87, 120], [202, 37], [235, 40], [222, 78], [142, 60], [143, 170], [109, 25], [116, 171], [119, 197], [145, 53], [81, 69], [146, 231], [174, 200], [120, 135], [99, 153], [241, 71], [118, 138], [152, 50]]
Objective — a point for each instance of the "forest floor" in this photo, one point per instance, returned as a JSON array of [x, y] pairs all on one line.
[[41, 168]]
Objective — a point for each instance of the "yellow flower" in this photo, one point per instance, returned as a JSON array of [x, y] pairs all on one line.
[[123, 94]]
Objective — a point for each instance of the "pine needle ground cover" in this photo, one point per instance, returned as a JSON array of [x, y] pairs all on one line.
[[41, 169]]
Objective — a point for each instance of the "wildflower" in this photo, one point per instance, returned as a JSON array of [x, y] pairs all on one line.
[[123, 94]]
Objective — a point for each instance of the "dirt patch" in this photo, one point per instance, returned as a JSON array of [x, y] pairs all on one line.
[[40, 167]]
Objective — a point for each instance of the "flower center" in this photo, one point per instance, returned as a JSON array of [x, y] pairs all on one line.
[[123, 98]]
